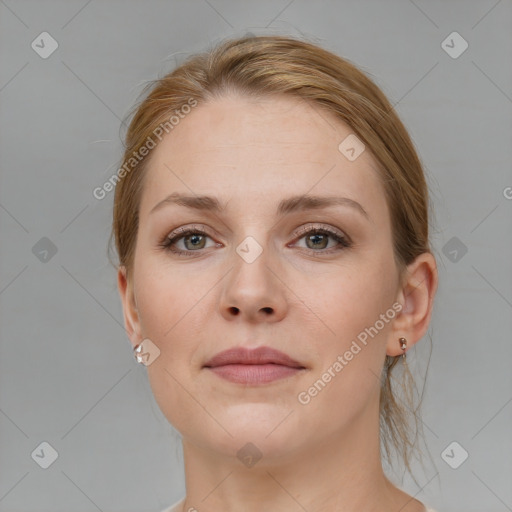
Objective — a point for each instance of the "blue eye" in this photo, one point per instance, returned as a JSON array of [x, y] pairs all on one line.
[[195, 236], [194, 240], [322, 235]]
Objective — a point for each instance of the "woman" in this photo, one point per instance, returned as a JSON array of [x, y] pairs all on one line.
[[271, 222]]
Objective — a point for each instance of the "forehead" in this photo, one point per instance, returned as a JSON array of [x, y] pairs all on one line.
[[265, 148]]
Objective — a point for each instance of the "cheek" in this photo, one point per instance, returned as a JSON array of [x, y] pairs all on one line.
[[168, 305], [167, 309], [350, 350], [355, 308], [349, 302], [166, 301]]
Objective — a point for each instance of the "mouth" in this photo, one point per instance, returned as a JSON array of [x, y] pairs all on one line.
[[251, 367]]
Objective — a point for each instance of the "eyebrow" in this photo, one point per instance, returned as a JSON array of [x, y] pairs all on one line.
[[289, 205]]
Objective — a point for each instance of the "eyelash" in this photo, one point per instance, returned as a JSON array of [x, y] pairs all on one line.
[[171, 239]]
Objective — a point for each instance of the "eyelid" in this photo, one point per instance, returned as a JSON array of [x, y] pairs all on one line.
[[321, 227], [343, 241], [185, 229], [298, 233]]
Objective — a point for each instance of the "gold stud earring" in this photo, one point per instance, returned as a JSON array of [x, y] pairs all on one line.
[[403, 345]]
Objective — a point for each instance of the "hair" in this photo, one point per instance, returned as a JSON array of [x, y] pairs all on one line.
[[264, 66]]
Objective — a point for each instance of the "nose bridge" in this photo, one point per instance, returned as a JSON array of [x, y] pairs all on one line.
[[252, 285], [252, 261]]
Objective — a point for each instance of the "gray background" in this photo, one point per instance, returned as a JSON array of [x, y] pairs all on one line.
[[67, 375]]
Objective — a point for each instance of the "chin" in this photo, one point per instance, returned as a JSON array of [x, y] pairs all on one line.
[[270, 430], [255, 447]]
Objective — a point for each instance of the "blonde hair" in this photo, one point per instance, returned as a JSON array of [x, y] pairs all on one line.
[[272, 65]]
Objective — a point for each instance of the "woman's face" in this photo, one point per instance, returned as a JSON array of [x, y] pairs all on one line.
[[255, 279]]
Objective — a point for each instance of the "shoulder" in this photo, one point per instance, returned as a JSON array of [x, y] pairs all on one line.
[[179, 505]]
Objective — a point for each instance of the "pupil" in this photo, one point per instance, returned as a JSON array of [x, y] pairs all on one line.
[[314, 238], [192, 239]]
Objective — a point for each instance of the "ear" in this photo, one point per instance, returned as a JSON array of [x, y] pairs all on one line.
[[417, 297], [130, 311]]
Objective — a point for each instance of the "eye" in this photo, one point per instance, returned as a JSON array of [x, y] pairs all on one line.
[[193, 239], [317, 239]]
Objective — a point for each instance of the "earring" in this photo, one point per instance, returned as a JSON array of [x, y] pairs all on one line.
[[403, 345], [137, 351]]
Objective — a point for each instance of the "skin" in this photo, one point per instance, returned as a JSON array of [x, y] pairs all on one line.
[[252, 154]]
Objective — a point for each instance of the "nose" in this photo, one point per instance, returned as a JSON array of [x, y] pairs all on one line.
[[254, 291]]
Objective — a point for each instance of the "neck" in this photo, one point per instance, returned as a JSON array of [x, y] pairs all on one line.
[[339, 473]]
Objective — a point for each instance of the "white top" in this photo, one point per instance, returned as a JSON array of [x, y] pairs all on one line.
[[178, 506]]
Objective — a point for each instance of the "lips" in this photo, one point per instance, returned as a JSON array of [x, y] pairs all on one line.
[[258, 356], [256, 367]]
